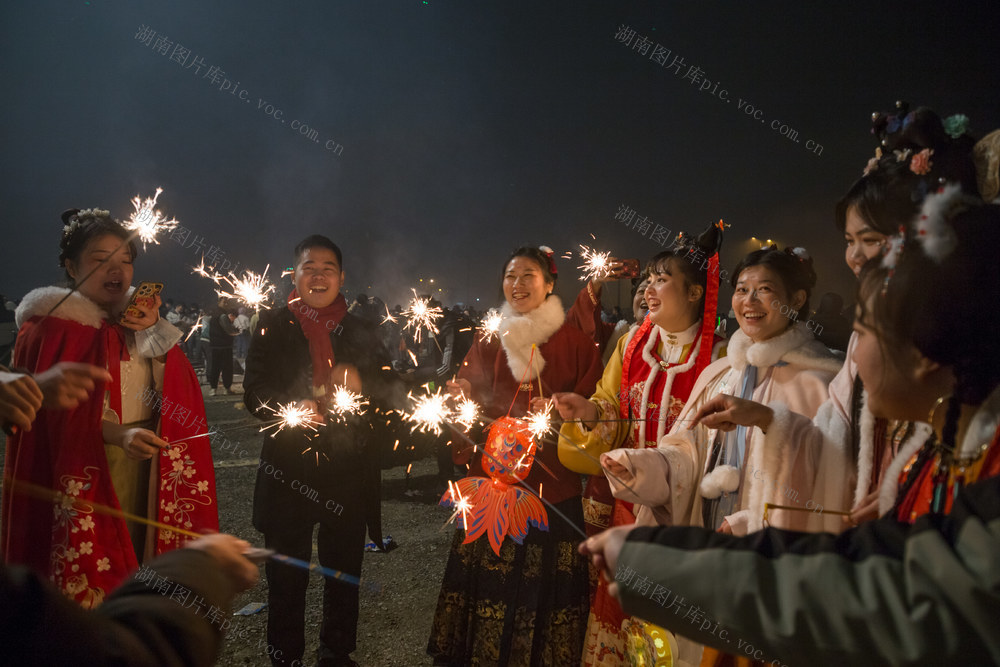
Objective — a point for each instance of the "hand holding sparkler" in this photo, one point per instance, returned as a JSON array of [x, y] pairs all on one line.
[[459, 387], [231, 555], [139, 444], [574, 407]]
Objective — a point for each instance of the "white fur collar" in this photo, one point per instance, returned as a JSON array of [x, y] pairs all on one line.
[[519, 332], [77, 308], [795, 346]]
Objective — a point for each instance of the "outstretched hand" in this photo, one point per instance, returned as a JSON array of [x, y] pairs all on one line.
[[66, 384], [726, 412]]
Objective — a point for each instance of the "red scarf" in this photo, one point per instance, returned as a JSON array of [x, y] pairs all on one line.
[[317, 323]]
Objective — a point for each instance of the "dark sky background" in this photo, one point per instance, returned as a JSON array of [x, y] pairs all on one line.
[[467, 128]]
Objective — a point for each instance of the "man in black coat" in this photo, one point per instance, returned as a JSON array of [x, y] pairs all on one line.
[[326, 472]]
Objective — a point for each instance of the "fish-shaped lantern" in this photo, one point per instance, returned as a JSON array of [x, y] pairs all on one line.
[[496, 505]]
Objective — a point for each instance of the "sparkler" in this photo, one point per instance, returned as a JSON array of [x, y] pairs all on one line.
[[346, 402], [252, 289], [421, 315], [388, 317], [429, 412], [146, 221], [491, 325], [540, 422], [462, 505], [289, 415], [596, 265], [466, 413]]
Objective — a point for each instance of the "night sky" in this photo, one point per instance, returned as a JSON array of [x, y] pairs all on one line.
[[442, 134]]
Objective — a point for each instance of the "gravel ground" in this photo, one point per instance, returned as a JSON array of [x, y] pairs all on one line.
[[397, 606]]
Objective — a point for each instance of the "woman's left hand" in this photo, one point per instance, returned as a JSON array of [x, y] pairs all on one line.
[[150, 316]]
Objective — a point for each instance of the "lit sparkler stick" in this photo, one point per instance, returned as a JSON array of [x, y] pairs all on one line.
[[462, 505], [255, 554], [596, 265], [421, 315], [146, 221], [252, 289], [202, 271], [429, 412], [540, 422], [197, 325], [388, 316], [466, 413], [491, 325], [289, 416], [346, 402]]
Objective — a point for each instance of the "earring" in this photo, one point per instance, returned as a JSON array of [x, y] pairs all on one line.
[[934, 409]]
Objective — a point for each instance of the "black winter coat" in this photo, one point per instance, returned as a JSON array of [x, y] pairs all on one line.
[[333, 473]]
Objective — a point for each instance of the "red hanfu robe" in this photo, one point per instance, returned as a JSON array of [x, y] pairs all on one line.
[[85, 553], [652, 415]]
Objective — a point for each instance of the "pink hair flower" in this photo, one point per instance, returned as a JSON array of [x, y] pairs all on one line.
[[921, 163]]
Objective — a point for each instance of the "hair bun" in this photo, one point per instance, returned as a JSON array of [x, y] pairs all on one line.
[[68, 214]]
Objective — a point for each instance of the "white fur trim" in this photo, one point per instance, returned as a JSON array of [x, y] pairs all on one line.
[[866, 449], [796, 345], [890, 480], [983, 425], [76, 308], [656, 336], [519, 332], [770, 461]]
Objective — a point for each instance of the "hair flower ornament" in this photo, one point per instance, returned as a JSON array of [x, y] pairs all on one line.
[[935, 235], [921, 163], [956, 125], [903, 155]]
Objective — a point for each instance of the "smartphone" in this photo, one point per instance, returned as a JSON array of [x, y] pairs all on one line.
[[630, 268], [145, 296]]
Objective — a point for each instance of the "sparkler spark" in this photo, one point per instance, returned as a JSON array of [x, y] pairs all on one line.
[[252, 289], [388, 316], [462, 505], [491, 325], [421, 315], [596, 265], [429, 412], [346, 402], [146, 221], [466, 413], [540, 423], [289, 416]]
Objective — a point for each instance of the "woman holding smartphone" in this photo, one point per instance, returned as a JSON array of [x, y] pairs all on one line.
[[113, 449]]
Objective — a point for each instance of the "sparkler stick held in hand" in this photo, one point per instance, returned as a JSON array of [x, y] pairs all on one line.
[[255, 555]]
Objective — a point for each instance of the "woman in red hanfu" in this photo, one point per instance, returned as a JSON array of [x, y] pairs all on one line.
[[113, 449], [644, 388], [517, 595]]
